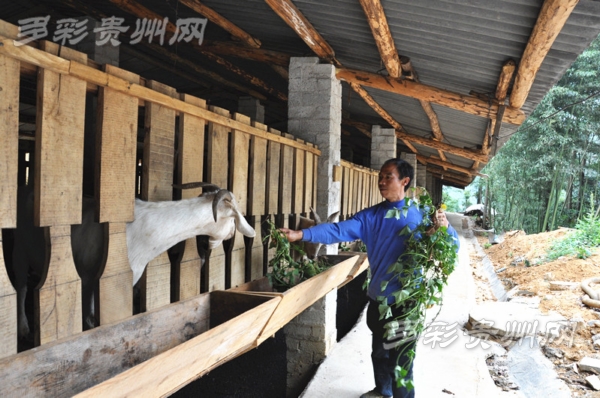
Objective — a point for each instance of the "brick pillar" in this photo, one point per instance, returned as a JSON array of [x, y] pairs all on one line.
[[422, 176], [383, 146], [412, 159], [252, 108], [315, 115], [309, 338]]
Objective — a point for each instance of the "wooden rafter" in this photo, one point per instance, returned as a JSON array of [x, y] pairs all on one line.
[[364, 128], [218, 19], [140, 11], [232, 49], [382, 35], [460, 102], [450, 177], [551, 20], [447, 165], [298, 22]]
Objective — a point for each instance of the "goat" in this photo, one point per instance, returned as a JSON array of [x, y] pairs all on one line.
[[156, 227], [312, 249]]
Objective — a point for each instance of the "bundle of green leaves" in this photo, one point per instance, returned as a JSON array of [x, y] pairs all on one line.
[[422, 272], [284, 271]]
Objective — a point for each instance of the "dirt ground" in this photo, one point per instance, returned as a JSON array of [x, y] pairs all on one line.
[[518, 264]]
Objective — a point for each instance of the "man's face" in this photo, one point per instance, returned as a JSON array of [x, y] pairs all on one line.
[[391, 185]]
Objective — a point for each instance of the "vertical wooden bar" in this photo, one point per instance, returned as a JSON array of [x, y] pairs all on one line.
[[346, 193], [273, 172], [58, 194], [191, 169], [116, 146], [9, 160], [298, 180], [350, 192], [157, 180], [310, 162], [240, 146], [286, 181], [218, 137], [257, 203]]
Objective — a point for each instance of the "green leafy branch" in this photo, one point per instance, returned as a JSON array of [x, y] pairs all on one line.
[[422, 272], [284, 271]]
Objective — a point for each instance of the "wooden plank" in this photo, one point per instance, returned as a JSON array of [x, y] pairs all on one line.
[[68, 366], [58, 314], [298, 180], [305, 294], [9, 140], [240, 148], [273, 171], [191, 169], [309, 181], [59, 150], [218, 143], [116, 147], [157, 179], [173, 369], [286, 178], [257, 203], [351, 188], [9, 151], [345, 192]]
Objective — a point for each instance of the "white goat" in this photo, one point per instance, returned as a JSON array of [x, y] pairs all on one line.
[[157, 226]]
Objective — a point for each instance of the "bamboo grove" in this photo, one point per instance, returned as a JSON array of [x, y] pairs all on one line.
[[548, 173]]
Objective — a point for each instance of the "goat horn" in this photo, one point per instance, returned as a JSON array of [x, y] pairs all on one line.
[[218, 198], [315, 216], [199, 184]]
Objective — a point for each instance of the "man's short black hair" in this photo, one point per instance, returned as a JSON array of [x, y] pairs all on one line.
[[404, 169]]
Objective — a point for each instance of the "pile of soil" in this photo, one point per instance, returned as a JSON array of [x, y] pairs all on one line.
[[519, 262]]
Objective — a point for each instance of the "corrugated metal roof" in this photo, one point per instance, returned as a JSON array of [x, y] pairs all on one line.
[[456, 45]]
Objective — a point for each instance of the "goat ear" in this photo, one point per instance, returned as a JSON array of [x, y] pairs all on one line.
[[333, 217], [315, 216]]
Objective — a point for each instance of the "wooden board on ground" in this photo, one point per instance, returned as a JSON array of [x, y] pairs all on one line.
[[173, 369]]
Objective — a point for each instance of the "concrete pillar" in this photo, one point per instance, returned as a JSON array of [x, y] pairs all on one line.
[[422, 175], [315, 115], [383, 146], [252, 108], [309, 338], [412, 159], [429, 183]]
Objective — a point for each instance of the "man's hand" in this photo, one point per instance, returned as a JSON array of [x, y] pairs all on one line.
[[440, 219], [291, 235]]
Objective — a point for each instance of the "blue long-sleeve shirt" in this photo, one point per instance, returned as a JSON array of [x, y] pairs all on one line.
[[379, 234]]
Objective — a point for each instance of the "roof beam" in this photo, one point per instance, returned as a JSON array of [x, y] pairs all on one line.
[[551, 20], [239, 51], [221, 21], [447, 165], [360, 126], [298, 22], [382, 35], [140, 11], [401, 134], [460, 102], [450, 177]]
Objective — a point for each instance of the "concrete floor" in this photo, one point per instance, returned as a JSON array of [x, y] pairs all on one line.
[[451, 368]]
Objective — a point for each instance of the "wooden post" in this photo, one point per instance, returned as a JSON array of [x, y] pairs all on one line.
[[240, 146], [298, 184], [309, 181], [286, 181], [157, 177], [9, 150], [116, 147], [191, 168], [273, 172], [218, 137], [257, 203], [58, 194]]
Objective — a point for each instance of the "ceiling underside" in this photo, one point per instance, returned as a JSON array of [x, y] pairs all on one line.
[[456, 48]]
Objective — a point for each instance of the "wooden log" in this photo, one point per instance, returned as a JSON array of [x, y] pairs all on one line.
[[190, 169], [551, 20], [460, 102], [238, 173], [257, 203], [9, 150], [169, 371], [157, 177], [218, 142], [382, 35]]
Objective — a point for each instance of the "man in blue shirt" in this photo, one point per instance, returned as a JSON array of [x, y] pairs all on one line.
[[384, 246]]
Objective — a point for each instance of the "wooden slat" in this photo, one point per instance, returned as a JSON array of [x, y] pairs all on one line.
[[59, 149], [59, 311], [157, 177], [68, 366], [240, 143], [218, 141], [257, 203], [298, 181], [273, 170], [191, 168], [286, 179], [345, 193], [309, 182], [9, 144], [9, 140], [168, 372]]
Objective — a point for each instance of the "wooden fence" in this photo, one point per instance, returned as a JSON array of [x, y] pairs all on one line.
[[359, 189]]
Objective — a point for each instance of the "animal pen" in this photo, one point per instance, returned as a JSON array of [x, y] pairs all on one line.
[[195, 315]]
